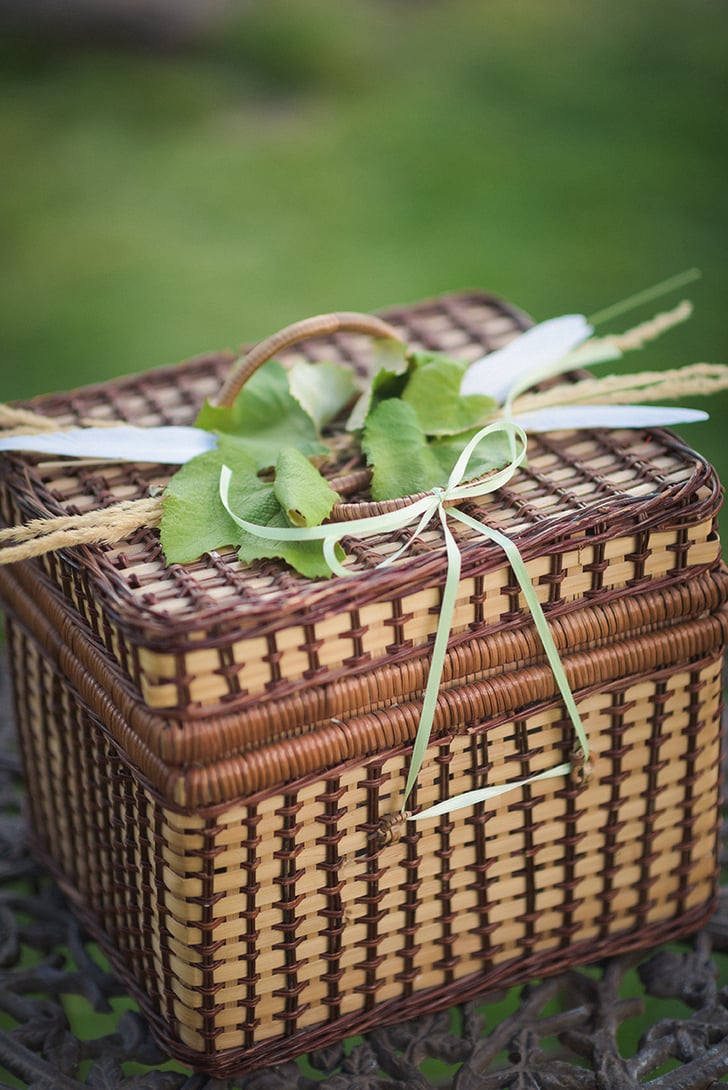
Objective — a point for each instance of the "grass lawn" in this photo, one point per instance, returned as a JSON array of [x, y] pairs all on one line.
[[323, 156]]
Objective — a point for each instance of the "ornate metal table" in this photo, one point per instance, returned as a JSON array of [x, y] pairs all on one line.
[[660, 1020]]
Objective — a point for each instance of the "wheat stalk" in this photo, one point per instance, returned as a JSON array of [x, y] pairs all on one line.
[[699, 378], [648, 331]]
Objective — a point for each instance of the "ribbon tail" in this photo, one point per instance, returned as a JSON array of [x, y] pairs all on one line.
[[490, 791], [519, 569], [437, 661], [485, 794]]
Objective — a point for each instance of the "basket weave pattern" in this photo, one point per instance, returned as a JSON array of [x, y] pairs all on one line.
[[272, 916], [213, 749]]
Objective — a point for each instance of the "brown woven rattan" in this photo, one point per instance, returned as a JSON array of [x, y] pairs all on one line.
[[215, 751]]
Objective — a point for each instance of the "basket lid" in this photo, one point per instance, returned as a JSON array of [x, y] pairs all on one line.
[[595, 515]]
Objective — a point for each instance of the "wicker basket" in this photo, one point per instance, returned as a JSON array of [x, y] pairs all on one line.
[[214, 750]]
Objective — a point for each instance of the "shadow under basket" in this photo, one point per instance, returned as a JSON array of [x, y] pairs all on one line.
[[217, 753]]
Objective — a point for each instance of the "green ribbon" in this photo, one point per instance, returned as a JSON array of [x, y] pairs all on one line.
[[439, 502]]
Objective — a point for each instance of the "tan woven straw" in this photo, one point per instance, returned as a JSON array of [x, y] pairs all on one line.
[[216, 751]]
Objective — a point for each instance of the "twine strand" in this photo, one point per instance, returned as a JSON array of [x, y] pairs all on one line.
[[106, 526], [16, 421]]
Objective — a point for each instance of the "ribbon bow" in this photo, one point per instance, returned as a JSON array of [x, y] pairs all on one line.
[[441, 502]]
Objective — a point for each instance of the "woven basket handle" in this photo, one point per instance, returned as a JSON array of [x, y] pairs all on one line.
[[319, 326]]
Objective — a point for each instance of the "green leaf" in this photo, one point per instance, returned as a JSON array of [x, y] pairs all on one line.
[[304, 495], [493, 452], [433, 391], [264, 418], [397, 449], [194, 520], [388, 381], [322, 389], [263, 508]]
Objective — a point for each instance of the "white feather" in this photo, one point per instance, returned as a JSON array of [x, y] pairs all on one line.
[[171, 445], [496, 373], [568, 417]]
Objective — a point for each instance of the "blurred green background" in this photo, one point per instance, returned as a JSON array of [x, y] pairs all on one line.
[[160, 200], [161, 196]]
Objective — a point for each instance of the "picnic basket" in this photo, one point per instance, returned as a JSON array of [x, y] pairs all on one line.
[[215, 752]]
